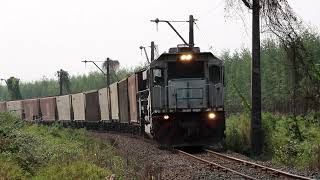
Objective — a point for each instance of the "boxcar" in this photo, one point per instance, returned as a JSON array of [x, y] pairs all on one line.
[[78, 106], [3, 107], [92, 110], [104, 104], [31, 108], [114, 101], [64, 108], [132, 94], [48, 109], [15, 107], [123, 101]]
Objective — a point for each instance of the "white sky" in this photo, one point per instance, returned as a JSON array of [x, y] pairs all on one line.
[[38, 37]]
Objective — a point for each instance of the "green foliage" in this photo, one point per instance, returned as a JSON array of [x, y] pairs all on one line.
[[73, 170], [276, 80], [80, 83], [41, 152], [282, 144], [10, 170], [238, 132]]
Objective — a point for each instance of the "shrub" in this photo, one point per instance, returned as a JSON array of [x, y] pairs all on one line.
[[282, 138], [238, 133]]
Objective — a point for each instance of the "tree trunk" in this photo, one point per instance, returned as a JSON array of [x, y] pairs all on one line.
[[256, 131]]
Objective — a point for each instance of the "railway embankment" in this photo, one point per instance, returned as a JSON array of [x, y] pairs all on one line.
[[30, 151]]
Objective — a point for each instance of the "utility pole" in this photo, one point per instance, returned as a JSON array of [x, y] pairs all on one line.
[[152, 51], [60, 81], [108, 88], [191, 35], [256, 130]]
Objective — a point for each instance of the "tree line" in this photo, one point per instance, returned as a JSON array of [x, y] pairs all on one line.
[[285, 87], [279, 88], [51, 87]]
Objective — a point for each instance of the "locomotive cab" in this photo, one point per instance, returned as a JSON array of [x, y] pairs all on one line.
[[186, 98]]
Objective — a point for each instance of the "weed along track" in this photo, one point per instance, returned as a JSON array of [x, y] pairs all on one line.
[[239, 168]]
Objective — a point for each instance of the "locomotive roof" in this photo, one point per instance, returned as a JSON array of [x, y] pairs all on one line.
[[208, 54]]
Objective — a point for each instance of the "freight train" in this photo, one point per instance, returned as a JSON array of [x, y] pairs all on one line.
[[177, 100]]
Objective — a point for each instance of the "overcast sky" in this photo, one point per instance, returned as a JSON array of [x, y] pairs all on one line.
[[39, 37]]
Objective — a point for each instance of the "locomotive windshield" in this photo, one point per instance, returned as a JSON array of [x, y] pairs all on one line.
[[178, 69]]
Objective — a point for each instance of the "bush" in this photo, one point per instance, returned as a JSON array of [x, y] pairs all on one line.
[[238, 133], [288, 140]]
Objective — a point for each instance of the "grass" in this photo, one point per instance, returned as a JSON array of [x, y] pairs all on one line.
[[53, 152], [283, 144]]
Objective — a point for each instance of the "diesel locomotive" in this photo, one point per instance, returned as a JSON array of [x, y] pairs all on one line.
[[177, 100]]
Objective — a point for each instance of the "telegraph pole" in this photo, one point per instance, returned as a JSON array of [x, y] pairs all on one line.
[[152, 47], [256, 129], [60, 81], [152, 51], [191, 35]]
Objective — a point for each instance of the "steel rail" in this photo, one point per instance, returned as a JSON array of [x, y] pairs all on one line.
[[217, 165], [276, 171]]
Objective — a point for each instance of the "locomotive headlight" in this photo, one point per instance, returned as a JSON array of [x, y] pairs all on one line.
[[186, 57], [211, 115], [166, 117]]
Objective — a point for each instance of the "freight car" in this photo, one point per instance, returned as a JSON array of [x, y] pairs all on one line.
[[177, 100]]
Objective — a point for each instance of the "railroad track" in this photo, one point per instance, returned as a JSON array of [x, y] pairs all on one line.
[[241, 168]]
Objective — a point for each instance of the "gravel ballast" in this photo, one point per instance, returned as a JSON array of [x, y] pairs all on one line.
[[148, 161]]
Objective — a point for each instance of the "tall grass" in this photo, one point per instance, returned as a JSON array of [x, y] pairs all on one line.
[[282, 144], [53, 152]]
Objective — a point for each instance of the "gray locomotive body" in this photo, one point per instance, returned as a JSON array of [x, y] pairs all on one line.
[[182, 102]]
